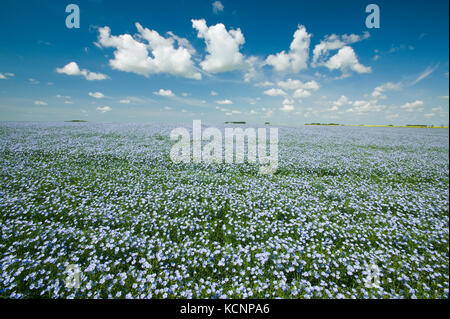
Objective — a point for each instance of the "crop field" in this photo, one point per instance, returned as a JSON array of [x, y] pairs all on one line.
[[107, 198]]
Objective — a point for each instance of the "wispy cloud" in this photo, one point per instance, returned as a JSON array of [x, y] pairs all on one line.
[[217, 7], [379, 90], [426, 73], [5, 76], [224, 102], [264, 84], [59, 96], [104, 109], [412, 106]]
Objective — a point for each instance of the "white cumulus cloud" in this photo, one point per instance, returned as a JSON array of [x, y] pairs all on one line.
[[73, 69], [163, 92], [287, 105], [343, 100], [334, 42], [363, 107], [132, 53], [291, 84], [301, 93], [97, 95], [264, 84], [222, 47], [297, 58], [287, 108], [346, 60], [274, 92]]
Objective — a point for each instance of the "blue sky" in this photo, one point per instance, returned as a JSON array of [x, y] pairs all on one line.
[[286, 62]]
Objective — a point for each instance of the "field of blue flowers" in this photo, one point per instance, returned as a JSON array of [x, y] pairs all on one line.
[[107, 198]]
